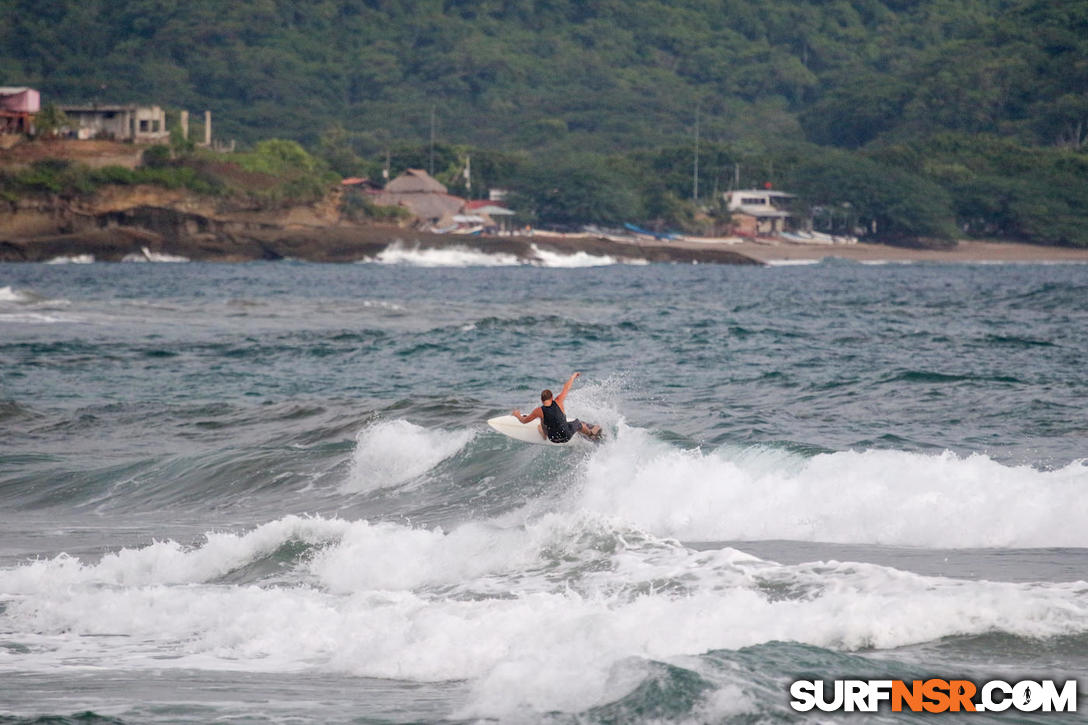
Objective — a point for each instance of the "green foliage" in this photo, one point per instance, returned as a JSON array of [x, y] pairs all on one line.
[[358, 208], [50, 120], [1003, 189], [297, 176], [885, 201], [586, 189], [524, 87], [569, 76], [337, 148], [59, 176], [179, 144], [278, 157], [156, 157]]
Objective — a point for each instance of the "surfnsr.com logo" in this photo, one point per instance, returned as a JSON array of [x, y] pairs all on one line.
[[933, 695]]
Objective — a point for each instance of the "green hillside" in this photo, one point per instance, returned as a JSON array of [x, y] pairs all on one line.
[[965, 114]]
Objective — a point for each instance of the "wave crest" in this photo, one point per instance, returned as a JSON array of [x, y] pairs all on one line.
[[850, 497], [550, 614], [391, 453]]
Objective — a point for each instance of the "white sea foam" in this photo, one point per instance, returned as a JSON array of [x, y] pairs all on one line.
[[792, 262], [73, 259], [875, 496], [146, 255], [552, 615], [461, 256], [596, 400], [170, 563], [383, 305], [453, 256], [8, 294], [578, 259], [390, 453], [24, 306], [34, 318]]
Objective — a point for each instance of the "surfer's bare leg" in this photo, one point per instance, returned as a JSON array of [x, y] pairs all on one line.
[[591, 432], [540, 427]]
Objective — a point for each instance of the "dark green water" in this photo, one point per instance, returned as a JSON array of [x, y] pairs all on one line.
[[266, 492]]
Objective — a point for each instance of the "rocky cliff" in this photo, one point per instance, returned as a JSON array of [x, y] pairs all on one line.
[[118, 221]]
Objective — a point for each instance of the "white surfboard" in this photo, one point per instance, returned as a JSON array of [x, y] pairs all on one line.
[[510, 426]]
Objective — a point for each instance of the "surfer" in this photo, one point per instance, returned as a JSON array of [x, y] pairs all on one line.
[[553, 418]]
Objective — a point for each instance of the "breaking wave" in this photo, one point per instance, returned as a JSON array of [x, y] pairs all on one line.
[[566, 612], [874, 496], [462, 256], [390, 453]]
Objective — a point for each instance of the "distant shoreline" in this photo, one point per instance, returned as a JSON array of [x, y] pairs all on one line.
[[964, 251], [343, 244]]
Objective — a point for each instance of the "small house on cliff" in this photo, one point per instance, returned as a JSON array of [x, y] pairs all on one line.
[[142, 124], [18, 105]]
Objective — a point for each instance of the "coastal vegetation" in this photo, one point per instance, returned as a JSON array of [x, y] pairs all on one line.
[[274, 172], [906, 120]]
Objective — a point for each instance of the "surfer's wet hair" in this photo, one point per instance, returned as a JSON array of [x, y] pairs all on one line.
[[545, 396]]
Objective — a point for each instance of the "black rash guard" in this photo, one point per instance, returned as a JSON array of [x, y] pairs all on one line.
[[555, 423]]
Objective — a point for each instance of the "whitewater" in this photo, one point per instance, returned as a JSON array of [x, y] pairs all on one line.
[[266, 492]]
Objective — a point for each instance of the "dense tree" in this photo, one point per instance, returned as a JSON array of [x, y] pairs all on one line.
[[537, 82], [575, 191], [50, 120], [881, 200], [537, 73]]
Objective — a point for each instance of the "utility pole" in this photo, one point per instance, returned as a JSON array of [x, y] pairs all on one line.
[[432, 142], [695, 172]]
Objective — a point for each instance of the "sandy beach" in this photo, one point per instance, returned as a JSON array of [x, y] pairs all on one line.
[[964, 251], [227, 240], [779, 251]]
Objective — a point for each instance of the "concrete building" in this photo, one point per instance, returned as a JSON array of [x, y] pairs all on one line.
[[761, 212], [141, 124]]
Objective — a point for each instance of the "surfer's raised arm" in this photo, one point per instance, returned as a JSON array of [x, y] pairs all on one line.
[[553, 425], [561, 398]]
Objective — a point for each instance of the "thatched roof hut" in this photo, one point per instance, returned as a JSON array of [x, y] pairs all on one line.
[[432, 208], [415, 181], [421, 194]]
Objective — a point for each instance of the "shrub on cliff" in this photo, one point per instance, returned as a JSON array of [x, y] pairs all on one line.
[[300, 177], [60, 176], [156, 157]]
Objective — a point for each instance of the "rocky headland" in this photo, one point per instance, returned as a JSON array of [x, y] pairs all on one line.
[[117, 222]]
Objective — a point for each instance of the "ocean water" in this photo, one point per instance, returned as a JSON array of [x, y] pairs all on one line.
[[266, 492]]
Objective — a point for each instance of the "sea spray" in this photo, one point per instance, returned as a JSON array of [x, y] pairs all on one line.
[[461, 256], [390, 453], [547, 258], [11, 295], [452, 256], [170, 562], [875, 496], [548, 615]]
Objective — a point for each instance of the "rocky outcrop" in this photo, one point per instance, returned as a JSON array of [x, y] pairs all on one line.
[[120, 221]]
